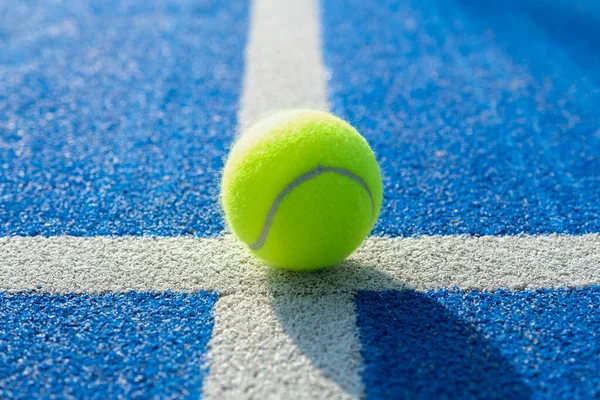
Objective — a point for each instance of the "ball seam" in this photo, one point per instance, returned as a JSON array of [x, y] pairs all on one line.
[[313, 173]]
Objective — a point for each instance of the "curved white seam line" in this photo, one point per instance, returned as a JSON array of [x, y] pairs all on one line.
[[313, 173]]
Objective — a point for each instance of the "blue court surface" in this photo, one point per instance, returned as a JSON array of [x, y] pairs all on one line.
[[115, 121], [541, 344], [125, 345]]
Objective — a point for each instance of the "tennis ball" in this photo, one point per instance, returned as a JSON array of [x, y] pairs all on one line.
[[302, 189]]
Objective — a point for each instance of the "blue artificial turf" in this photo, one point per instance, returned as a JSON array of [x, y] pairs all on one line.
[[128, 345], [115, 115], [483, 114], [541, 344]]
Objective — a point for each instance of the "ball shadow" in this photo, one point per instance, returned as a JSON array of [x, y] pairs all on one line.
[[410, 346]]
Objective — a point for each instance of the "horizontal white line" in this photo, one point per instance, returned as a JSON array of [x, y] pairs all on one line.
[[95, 264], [280, 334]]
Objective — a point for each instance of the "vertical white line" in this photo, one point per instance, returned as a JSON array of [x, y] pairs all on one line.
[[284, 64], [279, 345], [284, 346]]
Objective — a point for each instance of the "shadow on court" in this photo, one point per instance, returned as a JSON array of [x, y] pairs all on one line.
[[410, 345]]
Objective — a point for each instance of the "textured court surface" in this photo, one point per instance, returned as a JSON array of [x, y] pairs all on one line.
[[115, 116], [125, 344], [480, 344], [478, 130], [118, 277]]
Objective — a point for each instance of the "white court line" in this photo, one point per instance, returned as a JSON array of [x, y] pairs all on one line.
[[284, 66], [64, 264], [283, 69], [292, 335]]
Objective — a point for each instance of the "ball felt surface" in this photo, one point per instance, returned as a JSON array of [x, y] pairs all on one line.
[[302, 189]]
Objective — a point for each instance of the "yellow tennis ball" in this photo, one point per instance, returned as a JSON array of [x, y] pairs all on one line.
[[302, 189]]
